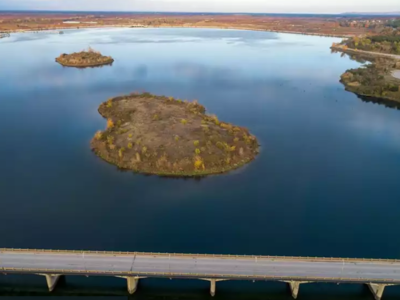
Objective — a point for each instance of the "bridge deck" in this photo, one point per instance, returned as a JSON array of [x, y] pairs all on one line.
[[199, 266]]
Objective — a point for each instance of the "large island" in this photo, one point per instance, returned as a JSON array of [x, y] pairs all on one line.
[[170, 137], [83, 59]]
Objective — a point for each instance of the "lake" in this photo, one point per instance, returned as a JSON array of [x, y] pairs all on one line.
[[326, 182]]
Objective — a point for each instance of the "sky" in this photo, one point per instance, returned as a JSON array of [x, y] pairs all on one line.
[[258, 6]]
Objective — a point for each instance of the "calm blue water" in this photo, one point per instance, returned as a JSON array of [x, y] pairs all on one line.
[[325, 184]]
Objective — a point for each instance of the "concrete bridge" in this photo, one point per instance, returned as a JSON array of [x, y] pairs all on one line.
[[132, 266]]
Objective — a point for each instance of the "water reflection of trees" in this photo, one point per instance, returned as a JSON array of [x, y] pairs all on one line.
[[360, 58], [195, 178], [90, 67], [379, 101]]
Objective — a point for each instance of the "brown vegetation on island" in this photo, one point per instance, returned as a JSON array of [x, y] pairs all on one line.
[[170, 137], [88, 58]]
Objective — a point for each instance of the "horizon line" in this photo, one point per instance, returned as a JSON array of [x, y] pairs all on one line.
[[204, 12]]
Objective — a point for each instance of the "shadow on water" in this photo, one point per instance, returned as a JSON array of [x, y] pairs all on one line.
[[190, 289]]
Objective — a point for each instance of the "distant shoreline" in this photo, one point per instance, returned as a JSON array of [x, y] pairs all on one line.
[[191, 26]]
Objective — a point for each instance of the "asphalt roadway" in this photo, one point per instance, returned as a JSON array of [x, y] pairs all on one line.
[[199, 266]]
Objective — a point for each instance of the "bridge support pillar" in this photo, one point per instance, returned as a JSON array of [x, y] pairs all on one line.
[[132, 283], [213, 284], [51, 280], [377, 289], [294, 287]]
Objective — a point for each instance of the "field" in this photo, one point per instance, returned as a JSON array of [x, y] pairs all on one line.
[[24, 21]]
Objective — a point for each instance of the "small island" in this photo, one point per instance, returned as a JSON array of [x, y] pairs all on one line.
[[83, 59], [169, 137]]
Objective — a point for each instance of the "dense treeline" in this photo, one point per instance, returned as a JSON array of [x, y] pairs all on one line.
[[387, 42], [385, 38]]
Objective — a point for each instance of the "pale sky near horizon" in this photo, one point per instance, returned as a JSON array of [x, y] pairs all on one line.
[[260, 6]]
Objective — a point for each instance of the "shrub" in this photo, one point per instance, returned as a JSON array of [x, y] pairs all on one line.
[[109, 103], [147, 95], [122, 130], [130, 135], [130, 145], [198, 163], [184, 121], [197, 151], [110, 123], [156, 117], [98, 135], [196, 143], [144, 150], [121, 152], [215, 119], [226, 126], [177, 138], [110, 139], [236, 140], [138, 157]]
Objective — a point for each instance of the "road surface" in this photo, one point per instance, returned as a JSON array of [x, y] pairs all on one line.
[[200, 266]]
